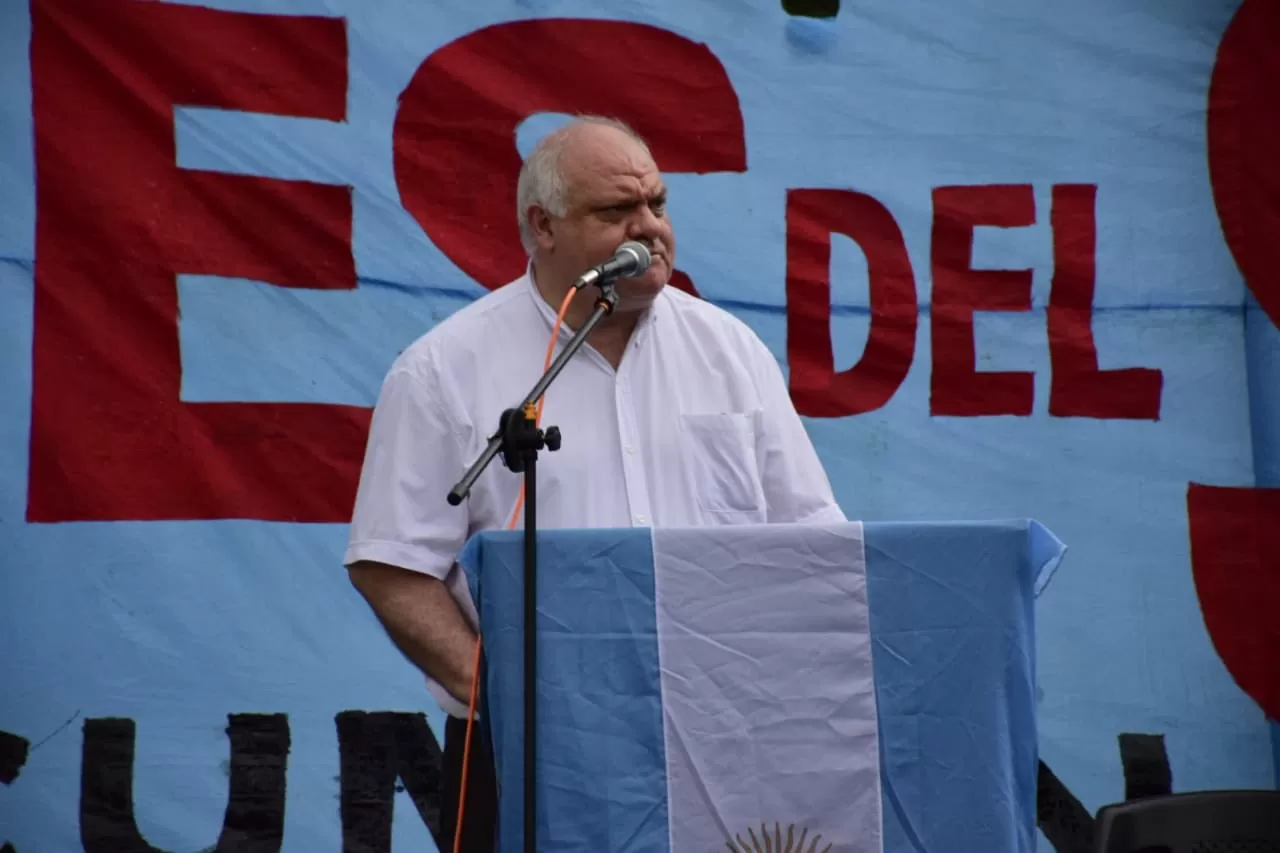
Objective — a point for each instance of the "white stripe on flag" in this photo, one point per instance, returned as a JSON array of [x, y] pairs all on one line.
[[768, 695]]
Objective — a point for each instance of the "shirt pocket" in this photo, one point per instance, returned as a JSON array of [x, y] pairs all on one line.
[[720, 452]]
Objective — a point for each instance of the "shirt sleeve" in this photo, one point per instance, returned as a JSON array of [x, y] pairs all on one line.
[[796, 486], [412, 458]]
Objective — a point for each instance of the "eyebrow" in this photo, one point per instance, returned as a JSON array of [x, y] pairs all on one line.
[[631, 201]]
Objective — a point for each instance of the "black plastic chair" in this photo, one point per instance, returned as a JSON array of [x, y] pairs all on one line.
[[1199, 822]]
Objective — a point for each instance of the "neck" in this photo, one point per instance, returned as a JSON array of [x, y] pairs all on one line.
[[610, 336]]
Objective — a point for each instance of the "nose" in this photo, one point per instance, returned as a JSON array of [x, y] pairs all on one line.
[[645, 226]]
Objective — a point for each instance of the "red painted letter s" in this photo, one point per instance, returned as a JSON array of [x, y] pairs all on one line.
[[456, 159]]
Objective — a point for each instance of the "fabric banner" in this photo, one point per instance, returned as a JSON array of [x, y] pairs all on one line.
[[1015, 260], [697, 686]]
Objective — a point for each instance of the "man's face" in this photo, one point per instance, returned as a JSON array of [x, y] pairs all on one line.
[[614, 193]]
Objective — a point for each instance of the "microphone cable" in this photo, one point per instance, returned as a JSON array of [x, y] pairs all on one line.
[[511, 525]]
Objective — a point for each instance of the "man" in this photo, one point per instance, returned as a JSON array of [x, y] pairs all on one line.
[[673, 414]]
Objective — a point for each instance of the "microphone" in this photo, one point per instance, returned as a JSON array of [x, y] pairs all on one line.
[[631, 259]]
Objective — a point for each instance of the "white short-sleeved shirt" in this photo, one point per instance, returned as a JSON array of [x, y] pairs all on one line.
[[695, 428]]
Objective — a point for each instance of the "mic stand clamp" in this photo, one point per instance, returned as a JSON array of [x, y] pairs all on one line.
[[522, 439], [518, 439]]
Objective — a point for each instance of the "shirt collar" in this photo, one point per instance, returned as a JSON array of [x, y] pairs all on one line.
[[548, 313]]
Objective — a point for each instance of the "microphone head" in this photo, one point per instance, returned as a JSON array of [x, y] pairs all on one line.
[[641, 253]]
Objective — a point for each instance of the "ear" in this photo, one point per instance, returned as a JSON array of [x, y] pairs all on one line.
[[539, 222]]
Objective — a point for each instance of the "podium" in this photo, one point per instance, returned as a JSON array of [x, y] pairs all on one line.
[[864, 686]]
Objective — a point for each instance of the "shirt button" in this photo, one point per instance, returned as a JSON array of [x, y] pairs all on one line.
[[640, 519], [631, 448]]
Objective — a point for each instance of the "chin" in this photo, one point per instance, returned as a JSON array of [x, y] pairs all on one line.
[[654, 278], [644, 288], [636, 295]]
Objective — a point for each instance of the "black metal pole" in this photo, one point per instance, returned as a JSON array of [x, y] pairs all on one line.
[[530, 652], [604, 306], [519, 439]]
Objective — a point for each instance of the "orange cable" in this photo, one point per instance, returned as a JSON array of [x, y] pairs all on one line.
[[515, 515]]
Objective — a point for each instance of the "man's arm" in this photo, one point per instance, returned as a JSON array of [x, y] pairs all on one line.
[[422, 619], [404, 538]]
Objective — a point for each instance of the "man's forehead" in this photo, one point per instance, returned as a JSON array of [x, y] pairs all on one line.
[[616, 184], [597, 190]]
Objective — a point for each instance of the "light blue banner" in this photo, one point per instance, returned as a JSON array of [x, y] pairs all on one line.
[[172, 556]]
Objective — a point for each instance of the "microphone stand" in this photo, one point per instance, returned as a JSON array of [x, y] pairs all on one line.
[[519, 439]]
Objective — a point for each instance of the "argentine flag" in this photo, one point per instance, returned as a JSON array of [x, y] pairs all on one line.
[[729, 689]]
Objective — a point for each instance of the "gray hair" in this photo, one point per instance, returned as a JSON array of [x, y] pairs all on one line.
[[541, 182]]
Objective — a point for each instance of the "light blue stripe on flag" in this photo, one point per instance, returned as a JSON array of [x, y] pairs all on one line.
[[953, 627], [602, 766]]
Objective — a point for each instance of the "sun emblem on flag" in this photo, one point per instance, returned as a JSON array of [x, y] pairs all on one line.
[[775, 843]]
